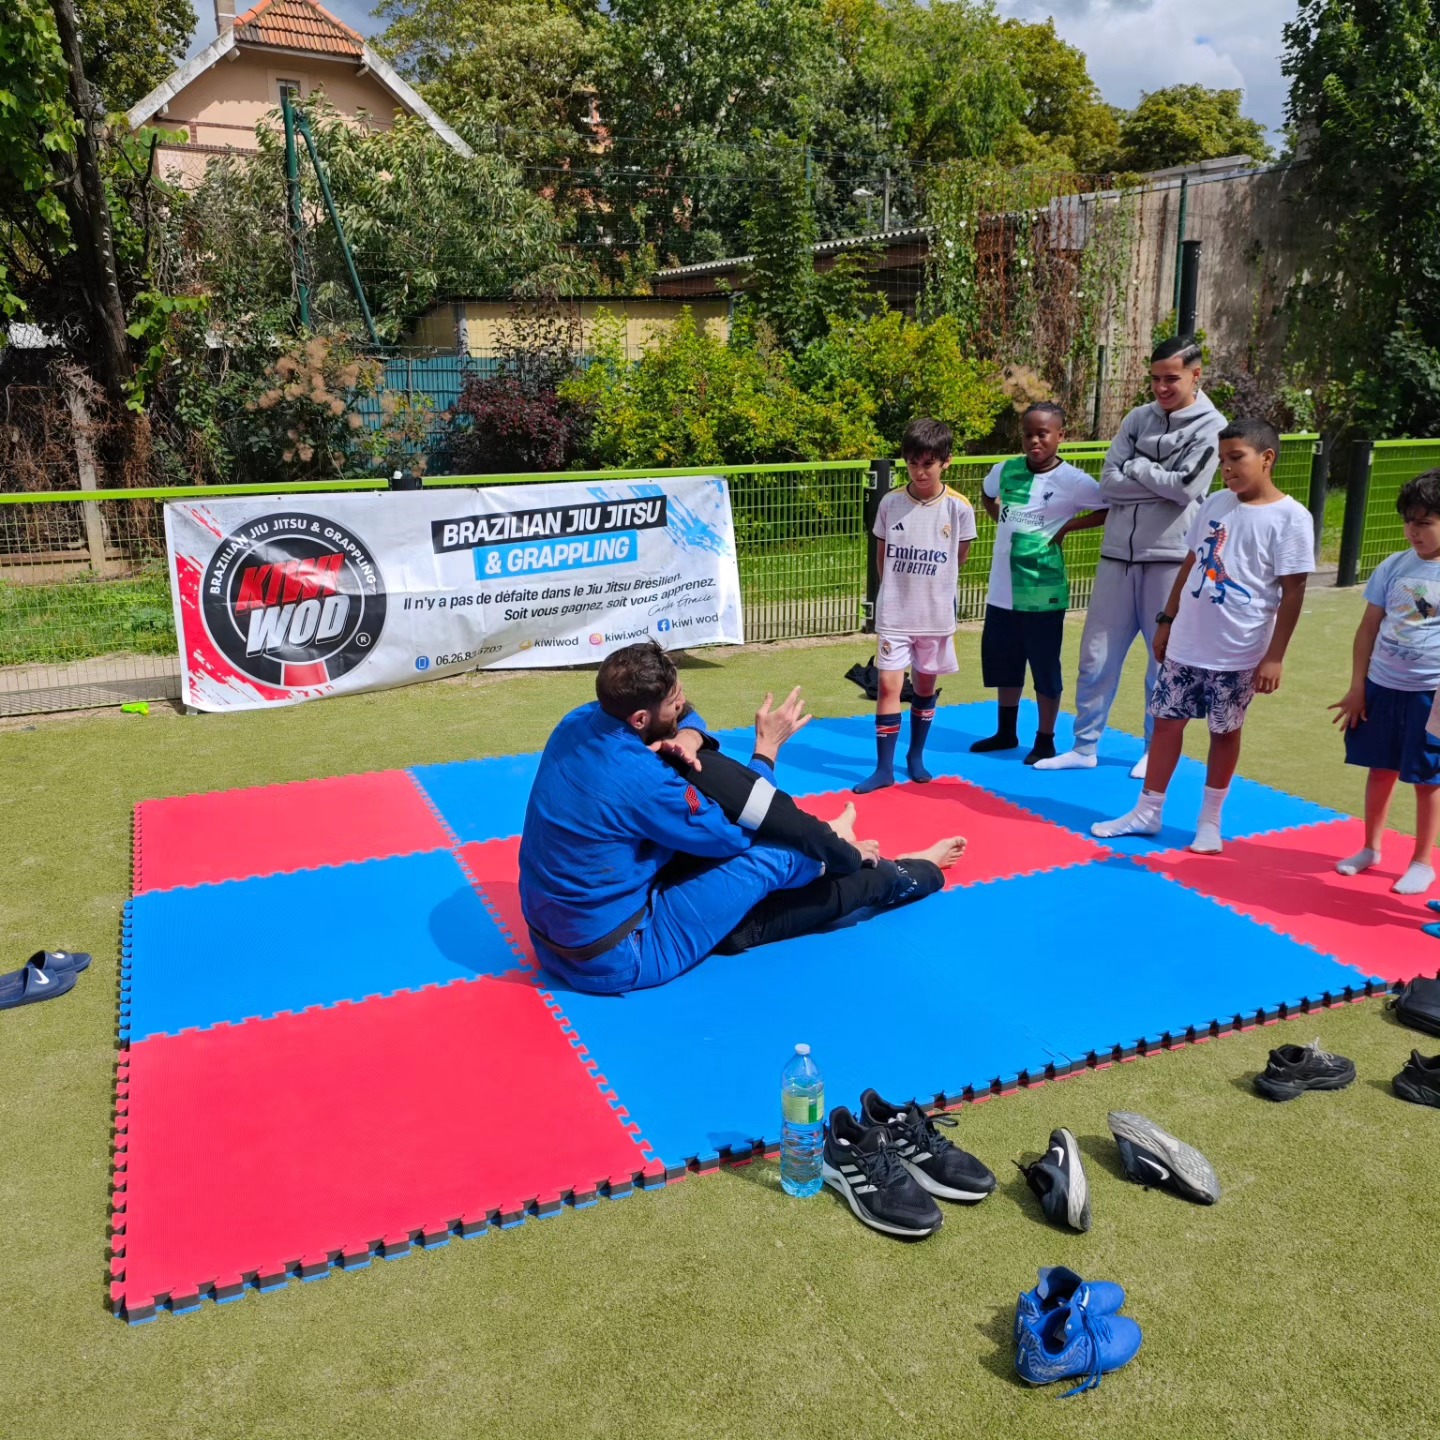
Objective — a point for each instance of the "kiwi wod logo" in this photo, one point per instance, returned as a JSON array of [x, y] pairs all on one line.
[[293, 600]]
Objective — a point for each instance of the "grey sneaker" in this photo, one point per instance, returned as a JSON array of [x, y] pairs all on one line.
[[1153, 1158]]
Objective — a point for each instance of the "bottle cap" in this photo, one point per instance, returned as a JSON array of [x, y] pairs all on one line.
[[802, 1049]]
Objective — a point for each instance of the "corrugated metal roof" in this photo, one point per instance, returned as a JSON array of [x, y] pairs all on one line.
[[297, 25]]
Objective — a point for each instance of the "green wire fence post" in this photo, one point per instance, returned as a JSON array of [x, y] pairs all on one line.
[[1357, 499], [877, 486], [1180, 241], [1099, 390], [1319, 487], [297, 215], [320, 175]]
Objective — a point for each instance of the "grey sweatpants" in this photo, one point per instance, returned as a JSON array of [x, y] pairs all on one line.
[[1124, 603]]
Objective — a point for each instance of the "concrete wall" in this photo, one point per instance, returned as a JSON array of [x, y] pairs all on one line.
[[1257, 237]]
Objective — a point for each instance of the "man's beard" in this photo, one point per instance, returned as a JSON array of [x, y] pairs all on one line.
[[659, 729]]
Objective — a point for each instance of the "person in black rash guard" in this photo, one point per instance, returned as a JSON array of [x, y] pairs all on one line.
[[855, 876]]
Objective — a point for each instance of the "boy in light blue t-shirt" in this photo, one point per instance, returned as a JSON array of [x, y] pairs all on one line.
[[1396, 672]]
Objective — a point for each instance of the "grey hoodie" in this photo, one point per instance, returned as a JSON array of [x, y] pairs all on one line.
[[1156, 474]]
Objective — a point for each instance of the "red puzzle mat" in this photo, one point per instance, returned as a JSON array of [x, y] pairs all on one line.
[[1002, 840], [1287, 880], [280, 1147], [275, 829]]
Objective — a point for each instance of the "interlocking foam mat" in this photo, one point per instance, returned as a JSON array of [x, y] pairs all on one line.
[[337, 1046]]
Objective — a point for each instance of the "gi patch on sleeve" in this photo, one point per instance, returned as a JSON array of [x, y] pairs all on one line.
[[692, 799]]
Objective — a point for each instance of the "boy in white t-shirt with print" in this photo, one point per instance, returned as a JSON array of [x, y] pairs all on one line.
[[924, 530], [1393, 685], [1222, 637], [1035, 500]]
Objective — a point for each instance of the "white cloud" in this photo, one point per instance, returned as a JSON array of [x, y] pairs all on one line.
[[1135, 45]]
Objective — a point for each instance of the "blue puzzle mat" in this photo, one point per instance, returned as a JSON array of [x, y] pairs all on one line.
[[973, 985], [215, 954]]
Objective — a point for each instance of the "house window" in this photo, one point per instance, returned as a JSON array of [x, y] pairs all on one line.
[[290, 88]]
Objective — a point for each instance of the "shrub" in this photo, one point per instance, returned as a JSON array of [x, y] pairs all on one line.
[[691, 399], [501, 423], [903, 369]]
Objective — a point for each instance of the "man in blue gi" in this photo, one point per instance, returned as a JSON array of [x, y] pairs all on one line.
[[645, 849]]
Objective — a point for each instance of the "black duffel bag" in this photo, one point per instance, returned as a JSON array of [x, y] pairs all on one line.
[[1418, 1005]]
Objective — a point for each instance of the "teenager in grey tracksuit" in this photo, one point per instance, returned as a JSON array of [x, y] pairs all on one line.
[[1156, 473]]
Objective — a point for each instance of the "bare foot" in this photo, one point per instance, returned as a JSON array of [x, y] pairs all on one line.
[[943, 853], [844, 823]]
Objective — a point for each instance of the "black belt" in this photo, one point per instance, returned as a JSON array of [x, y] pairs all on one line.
[[578, 955]]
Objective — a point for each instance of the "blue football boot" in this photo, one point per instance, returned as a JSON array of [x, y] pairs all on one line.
[[1057, 1289], [1074, 1343]]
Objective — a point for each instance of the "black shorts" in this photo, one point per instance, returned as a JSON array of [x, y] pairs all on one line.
[[1013, 638]]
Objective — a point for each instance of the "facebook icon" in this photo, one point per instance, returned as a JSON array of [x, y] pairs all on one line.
[[662, 626]]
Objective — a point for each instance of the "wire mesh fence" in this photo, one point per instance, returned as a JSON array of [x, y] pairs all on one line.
[[1392, 463], [86, 615]]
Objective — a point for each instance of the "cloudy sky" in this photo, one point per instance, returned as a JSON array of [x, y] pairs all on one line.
[[1131, 45]]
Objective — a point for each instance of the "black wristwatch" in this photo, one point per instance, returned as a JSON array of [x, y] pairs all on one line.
[[1163, 619]]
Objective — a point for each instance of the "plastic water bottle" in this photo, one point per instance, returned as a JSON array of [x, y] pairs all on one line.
[[802, 1130]]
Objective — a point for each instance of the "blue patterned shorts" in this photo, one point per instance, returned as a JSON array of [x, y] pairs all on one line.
[[1185, 692]]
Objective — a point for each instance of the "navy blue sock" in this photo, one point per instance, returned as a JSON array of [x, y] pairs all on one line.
[[887, 732], [922, 712]]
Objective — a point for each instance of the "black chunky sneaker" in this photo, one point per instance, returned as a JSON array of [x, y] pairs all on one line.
[[1155, 1159], [1419, 1081], [1294, 1069], [859, 1162], [1058, 1179], [941, 1166]]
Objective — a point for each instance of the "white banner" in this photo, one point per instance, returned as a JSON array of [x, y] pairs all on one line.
[[290, 597]]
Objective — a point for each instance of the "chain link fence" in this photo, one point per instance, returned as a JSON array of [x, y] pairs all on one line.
[[86, 617]]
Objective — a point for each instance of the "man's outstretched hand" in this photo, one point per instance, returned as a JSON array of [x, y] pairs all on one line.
[[684, 747], [773, 727]]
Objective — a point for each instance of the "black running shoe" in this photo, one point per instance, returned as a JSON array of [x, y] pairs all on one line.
[[859, 1162], [1294, 1069], [1419, 1081], [941, 1166], [1058, 1178], [1153, 1158]]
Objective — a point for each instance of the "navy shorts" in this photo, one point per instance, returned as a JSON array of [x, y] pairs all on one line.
[[1393, 735], [1186, 692], [1012, 639]]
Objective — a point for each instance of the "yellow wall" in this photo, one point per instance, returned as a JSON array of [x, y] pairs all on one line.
[[488, 321]]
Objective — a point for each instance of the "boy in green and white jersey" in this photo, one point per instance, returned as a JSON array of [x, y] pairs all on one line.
[[1036, 500]]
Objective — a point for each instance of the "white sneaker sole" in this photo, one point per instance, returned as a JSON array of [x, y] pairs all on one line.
[[1184, 1160], [1078, 1200], [934, 1187], [836, 1181]]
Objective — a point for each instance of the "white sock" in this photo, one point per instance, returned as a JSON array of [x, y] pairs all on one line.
[[1144, 819], [1415, 881], [1137, 770], [1207, 833], [1070, 760], [1360, 860]]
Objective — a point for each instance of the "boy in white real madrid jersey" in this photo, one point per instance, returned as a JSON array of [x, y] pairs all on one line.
[[924, 532], [1035, 500]]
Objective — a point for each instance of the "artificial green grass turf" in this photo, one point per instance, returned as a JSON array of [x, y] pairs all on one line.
[[1302, 1305]]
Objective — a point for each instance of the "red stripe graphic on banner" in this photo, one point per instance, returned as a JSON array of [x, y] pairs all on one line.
[[296, 675]]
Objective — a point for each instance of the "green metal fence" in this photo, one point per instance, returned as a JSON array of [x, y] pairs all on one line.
[[1392, 463], [85, 608]]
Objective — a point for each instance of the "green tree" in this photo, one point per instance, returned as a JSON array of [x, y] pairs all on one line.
[[1365, 107], [37, 134], [130, 46], [782, 284], [1065, 123], [1183, 124], [422, 220], [523, 65]]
